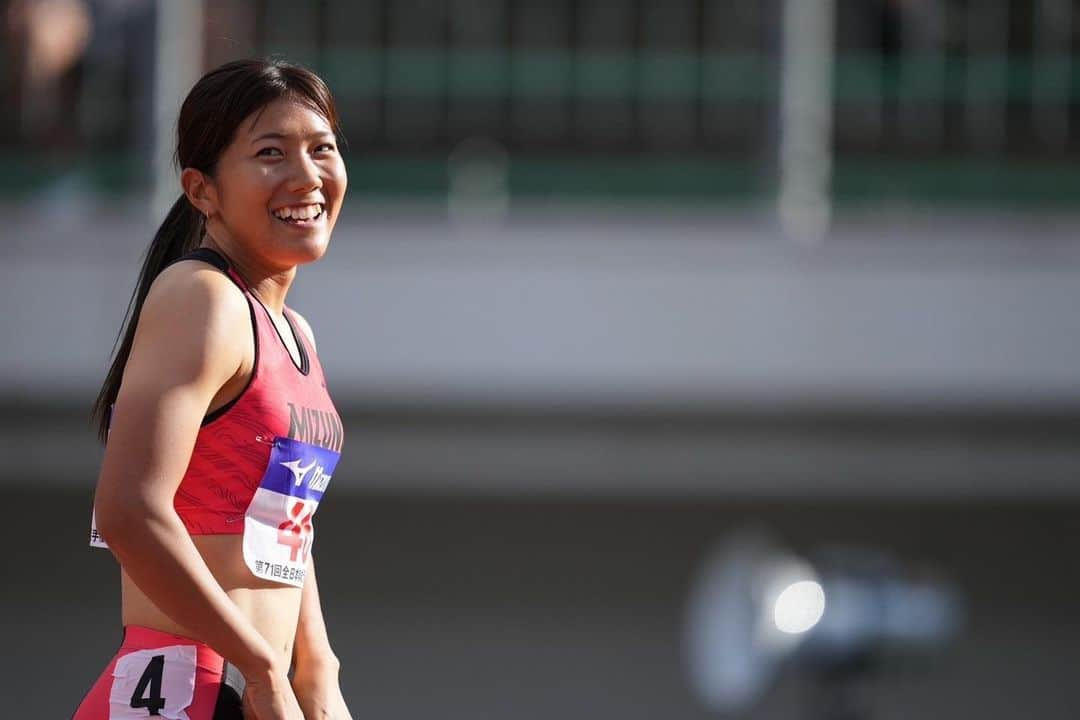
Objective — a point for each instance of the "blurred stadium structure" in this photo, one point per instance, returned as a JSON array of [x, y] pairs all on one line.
[[614, 277]]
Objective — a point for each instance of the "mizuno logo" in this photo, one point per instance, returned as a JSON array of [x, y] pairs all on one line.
[[319, 479], [298, 472]]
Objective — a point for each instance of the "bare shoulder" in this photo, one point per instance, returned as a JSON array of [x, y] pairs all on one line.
[[305, 326], [196, 283], [194, 312]]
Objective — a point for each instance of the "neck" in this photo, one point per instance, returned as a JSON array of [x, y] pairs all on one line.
[[270, 284]]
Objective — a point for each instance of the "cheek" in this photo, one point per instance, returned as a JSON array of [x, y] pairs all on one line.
[[249, 194], [339, 178]]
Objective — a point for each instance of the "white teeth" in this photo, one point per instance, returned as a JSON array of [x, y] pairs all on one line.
[[305, 212]]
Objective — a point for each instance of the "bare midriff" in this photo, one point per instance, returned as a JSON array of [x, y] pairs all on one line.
[[271, 607]]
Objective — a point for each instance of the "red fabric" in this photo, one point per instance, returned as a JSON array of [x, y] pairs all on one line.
[[231, 450], [208, 669]]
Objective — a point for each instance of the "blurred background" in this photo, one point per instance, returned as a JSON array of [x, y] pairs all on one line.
[[616, 282]]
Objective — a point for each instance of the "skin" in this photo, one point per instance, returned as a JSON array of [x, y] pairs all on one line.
[[193, 352]]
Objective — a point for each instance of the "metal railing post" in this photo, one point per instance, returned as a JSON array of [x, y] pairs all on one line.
[[178, 64], [804, 202]]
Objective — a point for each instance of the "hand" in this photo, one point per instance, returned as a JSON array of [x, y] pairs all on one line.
[[270, 697], [319, 693]]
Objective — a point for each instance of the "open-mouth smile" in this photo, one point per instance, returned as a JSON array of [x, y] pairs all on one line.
[[301, 215]]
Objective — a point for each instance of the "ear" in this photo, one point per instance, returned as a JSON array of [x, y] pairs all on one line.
[[200, 191]]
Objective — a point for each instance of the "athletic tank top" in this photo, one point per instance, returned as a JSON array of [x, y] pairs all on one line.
[[262, 462]]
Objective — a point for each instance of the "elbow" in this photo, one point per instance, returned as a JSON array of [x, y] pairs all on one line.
[[112, 519], [120, 521]]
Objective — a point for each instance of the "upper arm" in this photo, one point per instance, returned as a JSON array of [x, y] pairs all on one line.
[[184, 351]]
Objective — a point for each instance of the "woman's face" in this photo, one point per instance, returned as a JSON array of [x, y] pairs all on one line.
[[279, 186]]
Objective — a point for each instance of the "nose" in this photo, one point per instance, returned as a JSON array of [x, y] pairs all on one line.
[[305, 175]]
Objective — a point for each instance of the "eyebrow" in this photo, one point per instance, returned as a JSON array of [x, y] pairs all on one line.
[[282, 136]]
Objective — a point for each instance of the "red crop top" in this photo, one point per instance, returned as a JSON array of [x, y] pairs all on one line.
[[262, 462], [232, 452]]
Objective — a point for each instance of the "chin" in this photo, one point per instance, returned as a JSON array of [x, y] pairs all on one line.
[[307, 257], [305, 252]]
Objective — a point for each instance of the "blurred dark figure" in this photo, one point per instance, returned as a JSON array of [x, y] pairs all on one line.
[[77, 93], [45, 42]]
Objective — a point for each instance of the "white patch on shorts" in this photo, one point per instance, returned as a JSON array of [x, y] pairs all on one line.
[[177, 683]]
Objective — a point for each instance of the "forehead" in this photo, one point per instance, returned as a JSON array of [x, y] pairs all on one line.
[[285, 117]]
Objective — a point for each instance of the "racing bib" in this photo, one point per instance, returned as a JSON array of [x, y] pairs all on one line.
[[278, 529], [158, 682], [95, 537]]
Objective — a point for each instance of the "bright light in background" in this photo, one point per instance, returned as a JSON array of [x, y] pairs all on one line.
[[753, 604], [799, 607]]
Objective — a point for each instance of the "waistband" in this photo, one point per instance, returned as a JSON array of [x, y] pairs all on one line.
[[140, 637]]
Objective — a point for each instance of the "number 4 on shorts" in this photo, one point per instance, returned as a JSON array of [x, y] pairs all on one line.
[[156, 682], [150, 680]]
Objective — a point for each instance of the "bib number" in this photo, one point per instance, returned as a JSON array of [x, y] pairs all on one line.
[[278, 528], [151, 679], [153, 683]]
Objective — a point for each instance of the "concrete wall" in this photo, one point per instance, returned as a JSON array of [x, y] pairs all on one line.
[[619, 307]]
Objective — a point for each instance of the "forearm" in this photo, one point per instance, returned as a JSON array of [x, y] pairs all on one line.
[[315, 666], [311, 649], [157, 553]]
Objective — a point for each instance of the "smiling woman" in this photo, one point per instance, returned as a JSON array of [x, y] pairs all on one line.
[[277, 188], [209, 482]]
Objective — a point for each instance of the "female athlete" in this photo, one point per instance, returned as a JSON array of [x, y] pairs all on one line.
[[221, 438]]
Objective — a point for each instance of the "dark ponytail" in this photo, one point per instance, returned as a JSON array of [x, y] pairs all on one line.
[[179, 234], [209, 117]]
